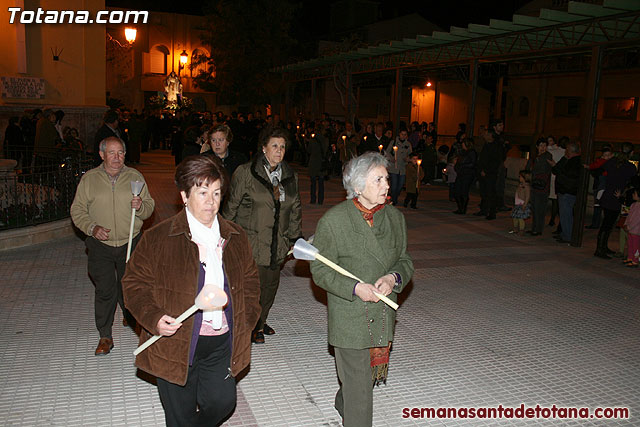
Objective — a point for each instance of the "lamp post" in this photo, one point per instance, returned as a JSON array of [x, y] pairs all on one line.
[[130, 34], [184, 57]]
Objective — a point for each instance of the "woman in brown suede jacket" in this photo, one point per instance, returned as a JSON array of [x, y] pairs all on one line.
[[195, 361]]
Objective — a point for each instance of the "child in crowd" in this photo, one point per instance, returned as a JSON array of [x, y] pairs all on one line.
[[411, 184], [451, 176], [521, 209], [632, 227]]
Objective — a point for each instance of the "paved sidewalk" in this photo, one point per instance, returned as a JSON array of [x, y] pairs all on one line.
[[489, 319]]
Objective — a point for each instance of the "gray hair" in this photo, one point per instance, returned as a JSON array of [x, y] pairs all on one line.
[[574, 147], [103, 143], [354, 175]]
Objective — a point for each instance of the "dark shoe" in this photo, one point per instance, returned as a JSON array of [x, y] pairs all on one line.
[[104, 346], [414, 207], [551, 223], [557, 232], [257, 337], [568, 242], [602, 255], [268, 330], [535, 233], [609, 251], [504, 209], [480, 213], [490, 217]]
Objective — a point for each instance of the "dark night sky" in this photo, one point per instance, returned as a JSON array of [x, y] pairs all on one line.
[[315, 14]]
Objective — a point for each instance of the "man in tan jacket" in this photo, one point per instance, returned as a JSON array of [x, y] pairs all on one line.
[[102, 210]]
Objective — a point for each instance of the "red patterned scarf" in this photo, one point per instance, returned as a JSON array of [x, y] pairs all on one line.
[[367, 214]]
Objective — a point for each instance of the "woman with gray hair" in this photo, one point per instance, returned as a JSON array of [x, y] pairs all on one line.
[[367, 237]]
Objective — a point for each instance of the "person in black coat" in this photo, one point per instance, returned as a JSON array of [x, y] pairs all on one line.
[[567, 172], [109, 128], [13, 140], [466, 170], [489, 163]]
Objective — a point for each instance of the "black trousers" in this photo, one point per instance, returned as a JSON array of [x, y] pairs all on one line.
[[209, 395], [411, 197], [106, 267], [488, 191], [462, 186], [539, 209], [320, 186]]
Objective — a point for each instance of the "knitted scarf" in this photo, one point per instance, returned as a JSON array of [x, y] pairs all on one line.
[[367, 214]]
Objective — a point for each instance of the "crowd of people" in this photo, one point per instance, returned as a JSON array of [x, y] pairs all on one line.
[[234, 233], [242, 214], [39, 135]]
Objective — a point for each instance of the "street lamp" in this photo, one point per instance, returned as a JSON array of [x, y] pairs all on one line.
[[130, 34], [184, 56]]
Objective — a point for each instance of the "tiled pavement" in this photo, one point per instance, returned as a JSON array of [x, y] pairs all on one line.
[[489, 319]]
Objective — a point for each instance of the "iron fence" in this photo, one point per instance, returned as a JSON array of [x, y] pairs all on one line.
[[42, 191]]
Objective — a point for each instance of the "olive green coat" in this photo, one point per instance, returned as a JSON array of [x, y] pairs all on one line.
[[272, 226], [344, 237]]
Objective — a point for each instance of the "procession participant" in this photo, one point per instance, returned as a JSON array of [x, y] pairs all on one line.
[[367, 237], [102, 210]]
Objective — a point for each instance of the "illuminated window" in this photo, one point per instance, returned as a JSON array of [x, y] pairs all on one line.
[[199, 59], [620, 108], [158, 60]]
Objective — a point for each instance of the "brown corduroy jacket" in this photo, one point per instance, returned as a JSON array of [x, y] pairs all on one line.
[[162, 278]]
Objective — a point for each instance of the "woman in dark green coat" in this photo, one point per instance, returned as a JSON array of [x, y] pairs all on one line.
[[265, 201], [367, 237]]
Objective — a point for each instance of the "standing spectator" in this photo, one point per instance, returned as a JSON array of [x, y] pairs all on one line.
[[599, 184], [497, 128], [632, 227], [413, 178], [556, 151], [13, 140], [521, 208], [317, 150], [540, 184], [489, 164], [102, 210], [398, 154], [451, 177], [28, 126], [619, 171], [265, 201], [429, 158], [466, 170], [567, 172], [219, 140], [108, 128], [136, 134], [46, 136]]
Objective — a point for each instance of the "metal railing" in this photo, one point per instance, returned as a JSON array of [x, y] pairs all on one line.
[[42, 190]]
